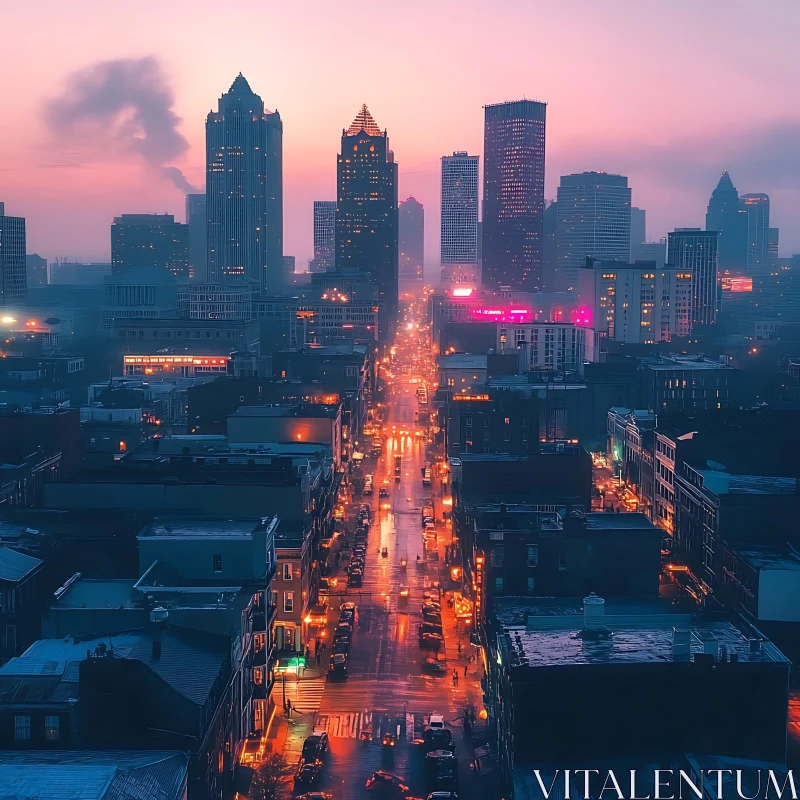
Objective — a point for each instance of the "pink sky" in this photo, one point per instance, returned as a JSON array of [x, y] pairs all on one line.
[[667, 93]]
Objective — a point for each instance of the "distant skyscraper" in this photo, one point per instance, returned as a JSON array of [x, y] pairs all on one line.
[[513, 193], [638, 227], [459, 223], [594, 219], [197, 220], [36, 268], [774, 241], [726, 216], [13, 282], [366, 212], [549, 247], [244, 193], [411, 233], [289, 265], [756, 206], [324, 235], [141, 241], [696, 251]]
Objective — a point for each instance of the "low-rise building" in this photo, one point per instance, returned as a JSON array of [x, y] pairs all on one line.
[[22, 598]]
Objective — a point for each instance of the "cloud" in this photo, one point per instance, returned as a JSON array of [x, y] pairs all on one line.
[[120, 107]]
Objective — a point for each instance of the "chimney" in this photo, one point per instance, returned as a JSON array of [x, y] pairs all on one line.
[[680, 644], [593, 611]]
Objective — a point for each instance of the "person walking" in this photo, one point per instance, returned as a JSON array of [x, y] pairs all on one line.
[[455, 677], [466, 667], [289, 707]]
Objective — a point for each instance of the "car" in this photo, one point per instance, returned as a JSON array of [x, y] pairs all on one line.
[[382, 778], [431, 627], [345, 626], [308, 771], [436, 722], [442, 796], [433, 666], [433, 605], [403, 592], [315, 745], [341, 647], [347, 615], [438, 739], [367, 491], [388, 740], [347, 606], [431, 641], [343, 635], [385, 552], [337, 669], [432, 613], [355, 580], [383, 492]]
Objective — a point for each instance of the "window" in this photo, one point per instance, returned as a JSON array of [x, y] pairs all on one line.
[[498, 556], [350, 372], [287, 572], [498, 586], [531, 585], [288, 602], [258, 676], [52, 731], [468, 421], [217, 562], [22, 728], [533, 555], [274, 603], [562, 560]]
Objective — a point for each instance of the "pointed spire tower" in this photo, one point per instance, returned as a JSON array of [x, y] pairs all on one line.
[[725, 217], [364, 122]]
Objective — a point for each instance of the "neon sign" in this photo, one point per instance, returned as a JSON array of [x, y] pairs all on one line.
[[581, 316], [463, 291], [503, 314]]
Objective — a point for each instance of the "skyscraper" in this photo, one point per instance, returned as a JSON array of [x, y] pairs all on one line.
[[756, 208], [411, 233], [36, 269], [726, 216], [324, 235], [141, 241], [13, 281], [459, 225], [366, 212], [638, 228], [696, 251], [197, 220], [594, 219], [513, 193], [244, 192]]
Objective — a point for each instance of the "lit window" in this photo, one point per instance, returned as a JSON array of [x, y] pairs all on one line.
[[288, 602], [52, 730], [287, 572]]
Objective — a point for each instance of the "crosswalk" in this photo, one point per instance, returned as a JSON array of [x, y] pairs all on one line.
[[405, 725], [306, 694]]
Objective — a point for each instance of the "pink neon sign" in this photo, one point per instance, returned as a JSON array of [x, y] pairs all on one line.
[[503, 314]]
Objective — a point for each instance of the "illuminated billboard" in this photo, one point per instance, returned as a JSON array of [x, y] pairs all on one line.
[[737, 285], [513, 314]]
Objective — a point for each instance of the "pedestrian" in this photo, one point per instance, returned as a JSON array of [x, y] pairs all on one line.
[[289, 707], [317, 657], [316, 646], [466, 667], [455, 677]]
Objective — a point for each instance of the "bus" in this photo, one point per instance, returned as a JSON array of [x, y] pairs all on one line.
[[398, 463]]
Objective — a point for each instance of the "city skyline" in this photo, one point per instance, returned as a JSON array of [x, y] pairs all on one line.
[[671, 172]]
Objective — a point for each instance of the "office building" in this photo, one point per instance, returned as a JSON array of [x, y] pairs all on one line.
[[459, 223], [147, 241], [638, 229], [549, 247], [36, 269], [197, 220], [366, 212], [756, 208], [289, 265], [726, 216], [138, 294], [63, 272], [594, 220], [546, 346], [639, 303], [324, 236], [13, 281], [215, 301], [696, 251], [411, 227], [244, 192], [772, 244], [513, 194]]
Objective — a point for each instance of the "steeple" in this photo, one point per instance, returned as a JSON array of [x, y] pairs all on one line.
[[240, 85], [725, 183], [364, 122]]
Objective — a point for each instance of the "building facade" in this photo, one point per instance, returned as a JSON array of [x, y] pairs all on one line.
[[142, 241], [243, 195], [324, 235], [690, 250], [513, 193], [13, 280], [197, 221], [366, 212], [36, 268], [148, 293], [726, 216], [459, 222], [411, 227], [545, 346], [215, 301], [756, 208], [594, 220]]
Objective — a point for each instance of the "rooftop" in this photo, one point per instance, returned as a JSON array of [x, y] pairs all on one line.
[[769, 558], [16, 566], [678, 362], [722, 483], [462, 361], [363, 121], [90, 593], [93, 775], [306, 410], [177, 528]]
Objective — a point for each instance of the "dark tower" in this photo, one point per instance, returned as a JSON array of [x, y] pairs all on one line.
[[411, 228], [366, 212], [725, 216], [513, 194]]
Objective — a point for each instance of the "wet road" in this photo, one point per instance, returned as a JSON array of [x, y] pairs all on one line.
[[386, 689]]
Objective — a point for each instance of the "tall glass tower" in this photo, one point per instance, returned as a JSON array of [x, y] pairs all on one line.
[[244, 191], [324, 235], [13, 267], [366, 212], [513, 193], [756, 208], [459, 226], [411, 236], [691, 250], [726, 216]]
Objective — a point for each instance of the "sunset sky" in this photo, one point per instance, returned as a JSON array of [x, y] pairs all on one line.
[[667, 93]]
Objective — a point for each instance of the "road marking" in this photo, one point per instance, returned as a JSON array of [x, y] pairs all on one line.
[[409, 727]]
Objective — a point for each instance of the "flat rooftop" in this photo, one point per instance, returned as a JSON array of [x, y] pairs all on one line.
[[553, 634], [462, 361], [312, 410], [770, 559], [102, 593], [673, 363], [176, 528], [724, 483]]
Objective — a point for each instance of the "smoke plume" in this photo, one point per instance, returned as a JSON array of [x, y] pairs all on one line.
[[123, 106]]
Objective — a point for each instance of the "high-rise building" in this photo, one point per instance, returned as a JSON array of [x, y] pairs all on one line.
[[756, 207], [594, 220], [244, 190], [459, 224], [36, 268], [696, 251], [143, 241], [411, 232], [772, 245], [549, 247], [324, 236], [197, 220], [13, 281], [289, 265], [366, 212], [726, 216], [638, 228], [513, 194]]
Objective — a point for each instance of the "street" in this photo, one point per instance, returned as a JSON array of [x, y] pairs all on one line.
[[386, 690]]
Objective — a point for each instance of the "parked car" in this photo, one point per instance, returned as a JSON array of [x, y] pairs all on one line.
[[341, 647], [430, 627], [382, 778], [315, 746], [433, 666], [355, 580], [337, 669], [308, 771], [431, 641]]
